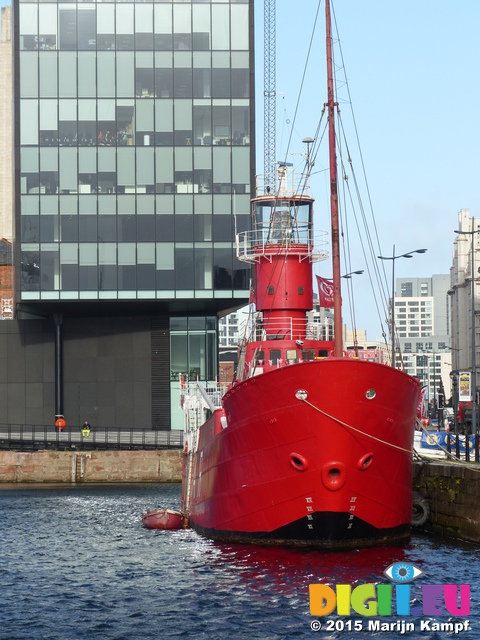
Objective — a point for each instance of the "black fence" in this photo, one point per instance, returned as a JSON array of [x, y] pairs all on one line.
[[38, 437]]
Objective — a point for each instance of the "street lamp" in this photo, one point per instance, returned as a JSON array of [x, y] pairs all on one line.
[[393, 258], [474, 358], [348, 276], [353, 273]]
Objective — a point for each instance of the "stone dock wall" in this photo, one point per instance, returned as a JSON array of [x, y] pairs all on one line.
[[91, 466], [453, 494]]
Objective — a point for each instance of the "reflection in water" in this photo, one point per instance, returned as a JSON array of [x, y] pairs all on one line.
[[290, 568], [76, 563]]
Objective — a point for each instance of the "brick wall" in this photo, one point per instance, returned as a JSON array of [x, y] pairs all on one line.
[[6, 283]]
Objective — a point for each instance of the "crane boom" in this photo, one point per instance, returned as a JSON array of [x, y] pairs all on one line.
[[269, 114]]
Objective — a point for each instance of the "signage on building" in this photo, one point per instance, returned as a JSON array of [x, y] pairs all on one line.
[[465, 390]]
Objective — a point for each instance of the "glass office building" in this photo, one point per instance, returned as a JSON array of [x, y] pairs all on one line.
[[134, 159]]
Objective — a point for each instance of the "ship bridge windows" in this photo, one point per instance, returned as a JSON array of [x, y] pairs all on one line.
[[308, 355], [283, 221], [323, 353], [260, 358], [274, 356], [292, 356]]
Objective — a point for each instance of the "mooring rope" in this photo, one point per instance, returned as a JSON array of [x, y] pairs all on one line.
[[349, 426]]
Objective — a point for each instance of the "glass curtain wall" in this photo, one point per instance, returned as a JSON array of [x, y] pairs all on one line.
[[193, 355], [134, 149]]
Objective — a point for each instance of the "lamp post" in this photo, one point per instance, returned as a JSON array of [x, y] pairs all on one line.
[[474, 359], [393, 257], [424, 356], [435, 409], [348, 276], [454, 378]]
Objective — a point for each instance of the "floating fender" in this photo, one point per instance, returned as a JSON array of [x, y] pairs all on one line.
[[420, 510], [163, 519]]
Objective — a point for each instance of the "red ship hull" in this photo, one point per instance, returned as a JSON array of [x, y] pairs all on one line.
[[330, 470]]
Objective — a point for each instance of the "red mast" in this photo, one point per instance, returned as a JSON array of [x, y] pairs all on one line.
[[337, 295]]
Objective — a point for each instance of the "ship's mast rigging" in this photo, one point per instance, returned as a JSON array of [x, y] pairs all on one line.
[[337, 296], [269, 145]]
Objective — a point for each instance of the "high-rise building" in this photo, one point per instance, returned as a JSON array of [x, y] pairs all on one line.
[[134, 158], [466, 260], [6, 126], [422, 325]]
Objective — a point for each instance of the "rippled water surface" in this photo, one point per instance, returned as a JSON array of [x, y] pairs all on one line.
[[77, 563]]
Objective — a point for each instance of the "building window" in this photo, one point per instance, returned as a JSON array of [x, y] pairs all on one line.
[[133, 117], [192, 347], [406, 290]]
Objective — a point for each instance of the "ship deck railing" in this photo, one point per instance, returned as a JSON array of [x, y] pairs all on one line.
[[263, 242], [285, 328], [197, 395], [23, 437]]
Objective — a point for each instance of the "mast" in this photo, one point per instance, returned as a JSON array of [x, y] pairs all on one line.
[[337, 295]]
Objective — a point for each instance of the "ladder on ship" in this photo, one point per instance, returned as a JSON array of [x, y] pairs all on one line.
[[192, 423]]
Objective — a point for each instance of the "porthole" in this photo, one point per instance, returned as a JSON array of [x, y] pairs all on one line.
[[301, 394], [365, 461], [298, 462], [370, 395]]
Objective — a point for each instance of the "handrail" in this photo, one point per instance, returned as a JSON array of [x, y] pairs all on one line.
[[21, 437], [252, 245], [287, 327]]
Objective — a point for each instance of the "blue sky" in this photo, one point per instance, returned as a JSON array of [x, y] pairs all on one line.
[[413, 73]]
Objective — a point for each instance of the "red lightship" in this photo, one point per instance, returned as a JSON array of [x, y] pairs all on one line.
[[308, 447]]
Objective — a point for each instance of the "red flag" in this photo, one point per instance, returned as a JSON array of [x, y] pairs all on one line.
[[422, 403], [252, 294], [325, 292]]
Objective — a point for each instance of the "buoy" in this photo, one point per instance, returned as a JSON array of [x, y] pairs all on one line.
[[420, 510], [60, 424]]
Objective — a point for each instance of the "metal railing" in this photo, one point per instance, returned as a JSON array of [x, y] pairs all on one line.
[[252, 245], [195, 393], [19, 437], [286, 328]]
